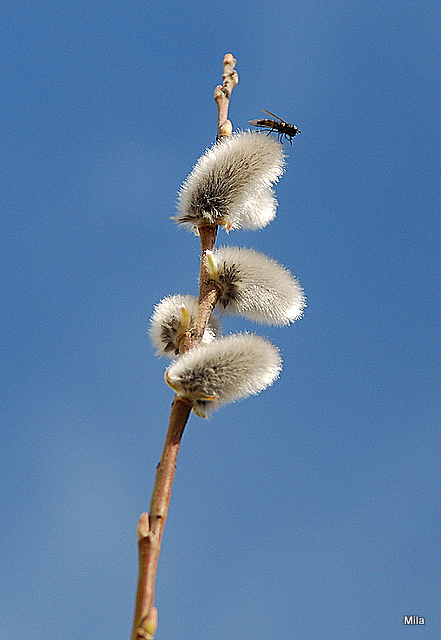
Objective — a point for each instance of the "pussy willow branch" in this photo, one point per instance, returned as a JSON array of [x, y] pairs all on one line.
[[151, 527], [208, 290], [222, 95]]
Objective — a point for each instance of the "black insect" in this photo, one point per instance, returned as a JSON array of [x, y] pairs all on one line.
[[284, 129]]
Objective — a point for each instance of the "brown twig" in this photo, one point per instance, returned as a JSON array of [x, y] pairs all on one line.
[[150, 527], [208, 290], [222, 95]]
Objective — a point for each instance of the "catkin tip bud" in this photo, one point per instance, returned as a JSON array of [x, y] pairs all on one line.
[[171, 318], [230, 184], [223, 371]]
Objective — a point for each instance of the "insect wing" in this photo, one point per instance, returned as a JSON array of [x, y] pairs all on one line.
[[272, 114]]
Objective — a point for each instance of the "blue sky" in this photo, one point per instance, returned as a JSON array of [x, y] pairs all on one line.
[[312, 510]]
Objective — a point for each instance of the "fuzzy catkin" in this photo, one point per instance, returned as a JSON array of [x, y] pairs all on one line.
[[225, 370], [231, 183], [257, 287], [256, 212], [167, 327]]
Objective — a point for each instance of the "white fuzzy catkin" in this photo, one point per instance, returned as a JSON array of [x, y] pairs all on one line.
[[258, 211], [225, 370], [256, 286], [231, 183], [171, 318]]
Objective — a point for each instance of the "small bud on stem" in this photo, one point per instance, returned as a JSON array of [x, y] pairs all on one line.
[[222, 94]]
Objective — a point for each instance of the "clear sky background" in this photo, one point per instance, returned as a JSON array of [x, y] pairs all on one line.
[[311, 511]]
